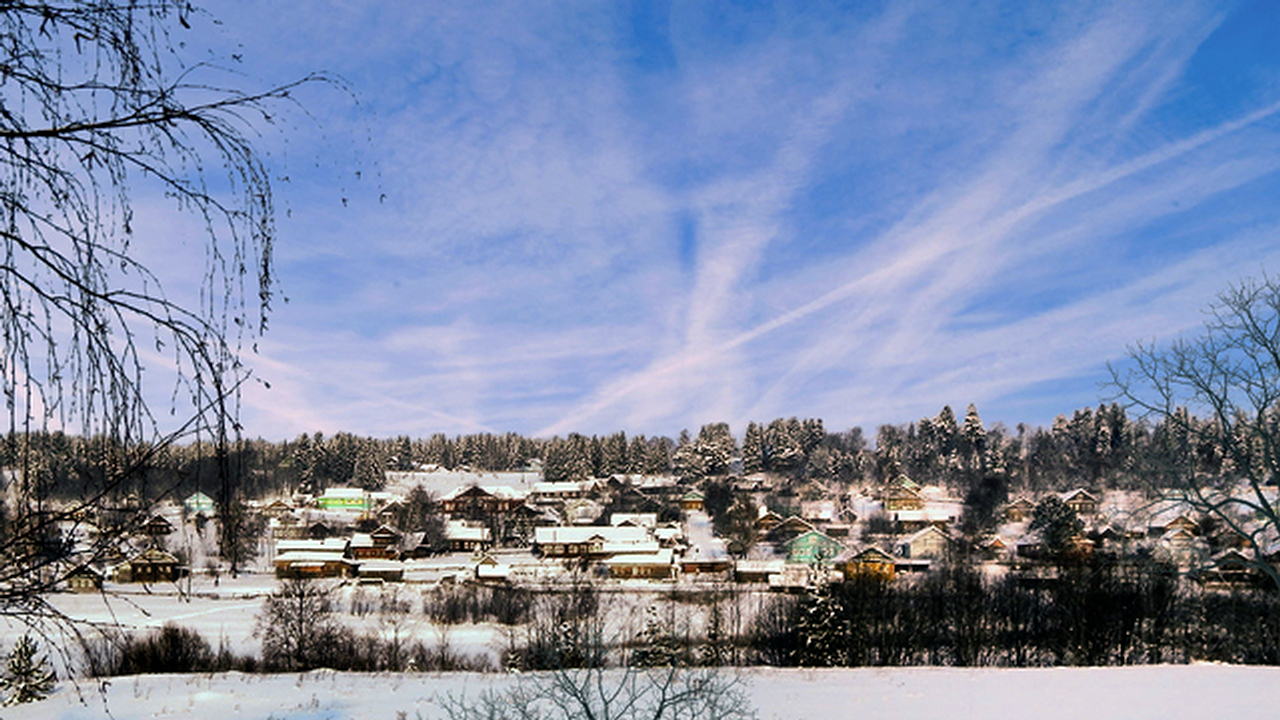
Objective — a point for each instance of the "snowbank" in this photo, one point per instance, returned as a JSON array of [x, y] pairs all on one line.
[[1132, 693]]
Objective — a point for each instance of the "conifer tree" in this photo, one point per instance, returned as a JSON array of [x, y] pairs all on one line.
[[753, 460], [27, 676]]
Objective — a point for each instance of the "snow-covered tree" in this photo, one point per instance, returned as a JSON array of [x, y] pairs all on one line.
[[687, 462], [717, 447], [753, 459], [657, 644], [27, 676], [820, 628]]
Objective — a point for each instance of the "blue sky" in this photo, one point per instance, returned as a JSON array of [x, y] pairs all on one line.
[[647, 216]]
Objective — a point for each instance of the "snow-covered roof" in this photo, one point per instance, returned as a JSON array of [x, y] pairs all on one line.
[[325, 545], [583, 533], [459, 530], [640, 519], [308, 556], [502, 492], [929, 514], [653, 559]]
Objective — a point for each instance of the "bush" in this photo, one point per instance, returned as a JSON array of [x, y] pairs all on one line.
[[477, 604], [171, 649]]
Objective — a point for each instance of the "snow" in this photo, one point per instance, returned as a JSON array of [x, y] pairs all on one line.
[[1132, 693]]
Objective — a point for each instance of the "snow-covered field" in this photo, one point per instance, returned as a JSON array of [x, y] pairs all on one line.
[[226, 613], [1202, 692]]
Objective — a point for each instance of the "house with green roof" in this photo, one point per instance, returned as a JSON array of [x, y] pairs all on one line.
[[812, 548], [197, 503]]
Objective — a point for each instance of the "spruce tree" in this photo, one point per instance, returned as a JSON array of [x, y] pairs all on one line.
[[27, 676], [753, 459]]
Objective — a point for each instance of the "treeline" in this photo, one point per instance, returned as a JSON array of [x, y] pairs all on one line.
[[1100, 448], [1100, 613]]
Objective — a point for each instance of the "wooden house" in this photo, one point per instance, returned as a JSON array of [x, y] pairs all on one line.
[[318, 531], [151, 566], [467, 537], [474, 502], [909, 521], [157, 526], [1180, 546], [658, 565], [85, 579], [767, 521], [388, 513], [489, 570], [385, 537], [547, 493], [1232, 569], [361, 547], [902, 497], [994, 547], [813, 548], [757, 571], [313, 559], [649, 520], [277, 510], [1107, 537], [1081, 501], [693, 501], [929, 542], [518, 525], [383, 570], [592, 542], [788, 529], [198, 502], [702, 565], [1166, 524], [1019, 510], [870, 562], [303, 564]]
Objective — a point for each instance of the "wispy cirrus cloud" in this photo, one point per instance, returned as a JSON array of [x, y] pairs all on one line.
[[649, 217]]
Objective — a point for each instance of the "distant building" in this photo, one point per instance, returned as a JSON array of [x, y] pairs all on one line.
[[693, 501], [812, 548], [594, 542], [198, 502], [466, 537], [1081, 501], [313, 559], [476, 502], [341, 498], [151, 566]]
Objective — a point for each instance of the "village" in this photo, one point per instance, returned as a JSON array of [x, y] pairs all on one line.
[[653, 532]]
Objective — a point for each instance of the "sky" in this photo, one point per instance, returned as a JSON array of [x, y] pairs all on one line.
[[589, 217]]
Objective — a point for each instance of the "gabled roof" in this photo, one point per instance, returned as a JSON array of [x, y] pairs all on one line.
[[995, 542], [660, 558], [155, 556], [902, 481], [812, 536], [926, 531], [635, 519], [501, 492], [870, 553], [578, 534], [794, 522], [1231, 557], [768, 518], [1078, 493], [385, 531]]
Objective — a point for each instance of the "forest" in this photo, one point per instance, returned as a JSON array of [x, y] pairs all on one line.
[[1099, 448]]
